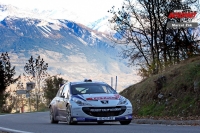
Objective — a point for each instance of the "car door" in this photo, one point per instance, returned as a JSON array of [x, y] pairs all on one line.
[[64, 100], [58, 100]]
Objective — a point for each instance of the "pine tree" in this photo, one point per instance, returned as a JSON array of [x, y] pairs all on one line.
[[51, 87], [7, 73]]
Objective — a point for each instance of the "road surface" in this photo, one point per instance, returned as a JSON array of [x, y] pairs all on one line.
[[39, 123]]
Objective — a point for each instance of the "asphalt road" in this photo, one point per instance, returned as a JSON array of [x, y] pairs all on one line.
[[39, 123]]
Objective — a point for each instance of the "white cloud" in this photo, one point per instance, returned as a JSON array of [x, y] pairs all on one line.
[[90, 10]]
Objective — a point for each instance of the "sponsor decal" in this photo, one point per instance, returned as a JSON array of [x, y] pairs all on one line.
[[105, 110], [114, 97]]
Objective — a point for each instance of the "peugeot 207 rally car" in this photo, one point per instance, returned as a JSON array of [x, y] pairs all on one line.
[[89, 101]]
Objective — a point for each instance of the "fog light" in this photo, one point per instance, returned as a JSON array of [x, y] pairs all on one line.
[[74, 119], [126, 117]]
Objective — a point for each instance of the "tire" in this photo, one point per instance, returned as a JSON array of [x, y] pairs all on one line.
[[125, 122], [68, 116], [52, 119], [100, 122]]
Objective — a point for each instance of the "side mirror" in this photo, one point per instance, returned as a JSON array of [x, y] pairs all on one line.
[[62, 96]]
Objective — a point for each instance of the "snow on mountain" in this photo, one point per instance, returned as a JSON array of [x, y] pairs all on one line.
[[9, 10], [100, 25]]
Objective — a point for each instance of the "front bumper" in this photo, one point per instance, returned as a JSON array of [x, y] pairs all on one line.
[[79, 114], [95, 119]]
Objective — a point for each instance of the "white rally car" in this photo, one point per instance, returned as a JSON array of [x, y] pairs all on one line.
[[89, 101]]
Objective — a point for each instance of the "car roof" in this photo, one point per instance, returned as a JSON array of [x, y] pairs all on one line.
[[86, 81]]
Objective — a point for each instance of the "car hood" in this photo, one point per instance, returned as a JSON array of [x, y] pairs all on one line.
[[100, 99]]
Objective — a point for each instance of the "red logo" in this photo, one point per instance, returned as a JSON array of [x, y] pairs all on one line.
[[184, 14]]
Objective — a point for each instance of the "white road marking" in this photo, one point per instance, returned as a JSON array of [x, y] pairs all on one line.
[[12, 130]]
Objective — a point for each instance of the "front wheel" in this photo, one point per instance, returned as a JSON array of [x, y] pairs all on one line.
[[52, 119], [125, 122], [68, 116]]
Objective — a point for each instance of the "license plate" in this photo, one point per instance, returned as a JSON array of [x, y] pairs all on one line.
[[105, 118]]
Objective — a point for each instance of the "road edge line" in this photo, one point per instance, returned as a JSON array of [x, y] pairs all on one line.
[[12, 130]]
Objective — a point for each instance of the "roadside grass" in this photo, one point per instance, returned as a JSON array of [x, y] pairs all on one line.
[[151, 110], [180, 92], [42, 108], [3, 113]]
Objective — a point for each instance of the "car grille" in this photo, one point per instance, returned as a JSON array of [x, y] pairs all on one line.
[[104, 111]]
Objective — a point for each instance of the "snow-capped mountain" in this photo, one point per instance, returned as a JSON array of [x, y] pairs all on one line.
[[62, 13], [72, 49], [9, 10]]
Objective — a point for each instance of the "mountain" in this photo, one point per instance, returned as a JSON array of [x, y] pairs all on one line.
[[9, 10], [61, 13], [71, 49]]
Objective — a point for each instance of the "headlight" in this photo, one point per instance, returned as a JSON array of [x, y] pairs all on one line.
[[80, 102], [123, 100]]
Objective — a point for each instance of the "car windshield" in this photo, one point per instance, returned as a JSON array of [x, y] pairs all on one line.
[[91, 88]]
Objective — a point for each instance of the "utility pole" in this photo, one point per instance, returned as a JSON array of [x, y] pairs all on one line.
[[116, 84], [29, 102], [111, 81]]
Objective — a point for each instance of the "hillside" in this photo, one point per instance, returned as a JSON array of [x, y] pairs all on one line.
[[173, 93]]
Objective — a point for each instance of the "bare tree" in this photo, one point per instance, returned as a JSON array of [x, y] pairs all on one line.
[[142, 26], [37, 72]]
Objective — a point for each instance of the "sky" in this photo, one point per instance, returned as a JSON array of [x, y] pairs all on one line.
[[88, 9]]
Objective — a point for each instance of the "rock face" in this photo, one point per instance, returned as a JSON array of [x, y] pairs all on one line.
[[71, 49]]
